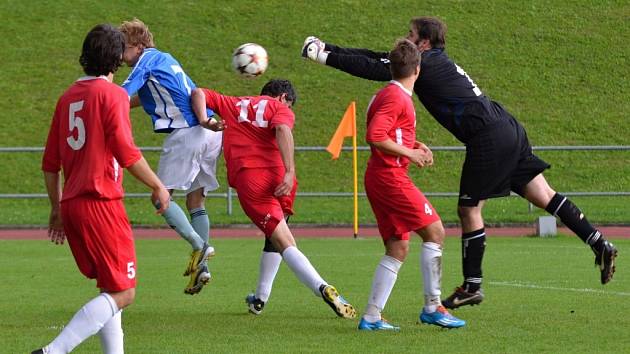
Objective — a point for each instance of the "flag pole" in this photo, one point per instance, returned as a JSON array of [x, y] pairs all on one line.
[[354, 165]]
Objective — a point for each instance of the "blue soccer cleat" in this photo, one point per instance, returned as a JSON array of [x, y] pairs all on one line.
[[441, 318], [380, 325], [254, 304]]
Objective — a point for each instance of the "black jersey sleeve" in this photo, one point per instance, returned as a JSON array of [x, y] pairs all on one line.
[[362, 63], [356, 51]]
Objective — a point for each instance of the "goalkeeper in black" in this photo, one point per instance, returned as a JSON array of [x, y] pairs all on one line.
[[499, 157]]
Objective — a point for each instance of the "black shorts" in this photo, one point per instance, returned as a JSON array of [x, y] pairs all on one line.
[[498, 160]]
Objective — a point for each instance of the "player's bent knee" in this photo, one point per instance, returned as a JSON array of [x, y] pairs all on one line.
[[123, 298]]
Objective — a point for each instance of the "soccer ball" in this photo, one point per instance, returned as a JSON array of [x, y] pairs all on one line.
[[250, 60]]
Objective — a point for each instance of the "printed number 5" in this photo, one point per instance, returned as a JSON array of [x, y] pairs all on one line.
[[76, 122], [131, 271]]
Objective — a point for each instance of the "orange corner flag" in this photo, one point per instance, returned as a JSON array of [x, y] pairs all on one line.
[[347, 128]]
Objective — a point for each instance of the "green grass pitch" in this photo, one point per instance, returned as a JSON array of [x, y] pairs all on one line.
[[543, 296]]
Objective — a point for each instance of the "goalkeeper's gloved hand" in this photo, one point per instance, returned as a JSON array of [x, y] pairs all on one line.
[[314, 49]]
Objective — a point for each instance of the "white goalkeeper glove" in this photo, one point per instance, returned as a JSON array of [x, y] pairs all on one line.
[[314, 49]]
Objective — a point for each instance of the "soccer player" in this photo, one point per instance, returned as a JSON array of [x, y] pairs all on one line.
[[399, 206], [499, 157], [90, 138], [189, 153], [258, 151]]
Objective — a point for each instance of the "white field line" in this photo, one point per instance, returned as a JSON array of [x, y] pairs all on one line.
[[534, 286]]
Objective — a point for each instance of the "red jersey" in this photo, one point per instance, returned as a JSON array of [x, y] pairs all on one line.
[[391, 116], [249, 139], [90, 138]]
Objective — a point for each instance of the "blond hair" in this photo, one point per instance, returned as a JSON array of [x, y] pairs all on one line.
[[137, 33]]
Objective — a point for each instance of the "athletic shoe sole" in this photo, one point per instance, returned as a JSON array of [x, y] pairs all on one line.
[[341, 307]]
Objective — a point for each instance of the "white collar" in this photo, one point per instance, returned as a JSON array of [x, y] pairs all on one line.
[[89, 77], [401, 86]]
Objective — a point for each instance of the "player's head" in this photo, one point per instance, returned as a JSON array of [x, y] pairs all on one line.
[[102, 51], [138, 38], [404, 60], [282, 90], [427, 31]]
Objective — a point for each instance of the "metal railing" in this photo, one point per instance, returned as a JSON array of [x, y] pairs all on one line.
[[230, 194]]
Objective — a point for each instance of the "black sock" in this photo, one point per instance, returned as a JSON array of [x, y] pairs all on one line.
[[473, 246], [269, 246], [572, 217]]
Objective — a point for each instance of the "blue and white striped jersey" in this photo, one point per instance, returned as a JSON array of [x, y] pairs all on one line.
[[164, 91]]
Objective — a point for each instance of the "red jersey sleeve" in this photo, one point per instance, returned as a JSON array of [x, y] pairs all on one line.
[[384, 116], [117, 127], [282, 115], [217, 102], [51, 162]]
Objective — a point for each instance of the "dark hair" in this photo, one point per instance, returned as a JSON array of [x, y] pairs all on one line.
[[276, 87], [430, 28], [102, 52], [404, 59]]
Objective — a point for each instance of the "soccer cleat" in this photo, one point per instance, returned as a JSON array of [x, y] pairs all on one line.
[[441, 318], [462, 298], [314, 49], [605, 260], [341, 307], [254, 304], [198, 280], [197, 257], [40, 351], [380, 325]]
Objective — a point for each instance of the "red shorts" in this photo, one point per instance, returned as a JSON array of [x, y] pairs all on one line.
[[399, 206], [255, 187], [100, 238]]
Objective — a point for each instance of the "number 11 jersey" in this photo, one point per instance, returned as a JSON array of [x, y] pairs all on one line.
[[249, 139]]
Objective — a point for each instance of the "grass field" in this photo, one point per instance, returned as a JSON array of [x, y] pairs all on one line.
[[559, 67], [543, 296]]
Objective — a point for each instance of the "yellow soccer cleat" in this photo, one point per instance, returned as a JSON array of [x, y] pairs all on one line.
[[198, 280], [341, 307], [197, 257]]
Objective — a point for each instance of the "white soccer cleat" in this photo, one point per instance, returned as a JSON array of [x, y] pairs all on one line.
[[314, 49]]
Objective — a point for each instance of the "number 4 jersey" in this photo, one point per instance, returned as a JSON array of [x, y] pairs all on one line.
[[90, 138], [249, 139]]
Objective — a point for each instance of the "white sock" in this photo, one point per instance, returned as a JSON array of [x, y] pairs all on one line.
[[269, 264], [111, 335], [85, 323], [431, 266], [303, 269], [385, 277]]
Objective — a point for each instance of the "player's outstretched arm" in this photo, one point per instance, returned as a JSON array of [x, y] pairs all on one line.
[[284, 137], [55, 223], [356, 51], [143, 173], [363, 63], [198, 103]]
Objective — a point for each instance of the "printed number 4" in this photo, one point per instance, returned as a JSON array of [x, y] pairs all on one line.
[[427, 209], [131, 270], [76, 122]]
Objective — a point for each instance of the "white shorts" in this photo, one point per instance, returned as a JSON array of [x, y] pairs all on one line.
[[189, 159]]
